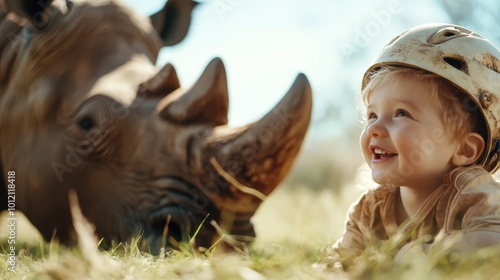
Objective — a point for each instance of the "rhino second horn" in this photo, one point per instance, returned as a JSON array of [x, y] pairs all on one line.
[[161, 84], [260, 155], [207, 102]]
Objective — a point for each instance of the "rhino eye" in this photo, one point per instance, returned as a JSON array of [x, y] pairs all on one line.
[[86, 123]]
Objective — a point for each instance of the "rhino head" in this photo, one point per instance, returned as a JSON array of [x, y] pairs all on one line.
[[84, 111]]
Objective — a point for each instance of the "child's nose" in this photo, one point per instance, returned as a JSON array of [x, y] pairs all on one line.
[[377, 129]]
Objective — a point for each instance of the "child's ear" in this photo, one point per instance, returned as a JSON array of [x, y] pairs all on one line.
[[469, 150]]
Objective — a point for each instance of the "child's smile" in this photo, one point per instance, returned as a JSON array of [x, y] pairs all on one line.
[[380, 155]]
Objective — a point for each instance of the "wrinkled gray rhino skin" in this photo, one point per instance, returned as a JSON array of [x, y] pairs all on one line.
[[83, 109]]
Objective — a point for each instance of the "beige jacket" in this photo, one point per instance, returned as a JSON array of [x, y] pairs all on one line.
[[468, 200]]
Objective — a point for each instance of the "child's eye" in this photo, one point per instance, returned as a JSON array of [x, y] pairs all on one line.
[[402, 113], [372, 116]]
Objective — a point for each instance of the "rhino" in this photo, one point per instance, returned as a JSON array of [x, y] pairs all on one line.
[[84, 110]]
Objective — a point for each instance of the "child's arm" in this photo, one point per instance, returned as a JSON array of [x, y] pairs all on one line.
[[475, 210], [478, 239], [363, 223], [468, 242]]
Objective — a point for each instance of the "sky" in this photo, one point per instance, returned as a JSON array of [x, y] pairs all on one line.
[[264, 44]]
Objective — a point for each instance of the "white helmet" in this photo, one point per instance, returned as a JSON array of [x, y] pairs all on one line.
[[466, 59]]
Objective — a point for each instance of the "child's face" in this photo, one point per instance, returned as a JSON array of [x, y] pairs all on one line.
[[405, 142]]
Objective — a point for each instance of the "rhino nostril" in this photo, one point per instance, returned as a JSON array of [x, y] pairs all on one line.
[[174, 230], [170, 230]]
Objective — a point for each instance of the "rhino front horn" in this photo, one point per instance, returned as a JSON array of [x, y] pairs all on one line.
[[260, 155]]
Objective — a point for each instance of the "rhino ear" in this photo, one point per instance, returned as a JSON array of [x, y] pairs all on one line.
[[172, 22], [35, 11], [206, 102]]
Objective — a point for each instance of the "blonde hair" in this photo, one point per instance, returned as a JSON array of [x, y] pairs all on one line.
[[460, 114]]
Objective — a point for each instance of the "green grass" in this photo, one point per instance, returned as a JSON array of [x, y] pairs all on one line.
[[41, 262], [294, 226], [279, 260]]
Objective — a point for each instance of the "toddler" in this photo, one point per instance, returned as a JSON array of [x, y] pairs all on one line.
[[431, 141]]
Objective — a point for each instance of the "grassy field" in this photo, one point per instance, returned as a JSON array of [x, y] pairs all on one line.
[[294, 226]]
